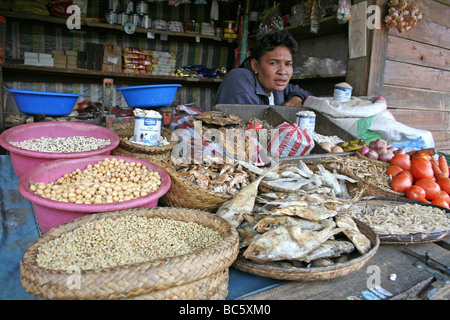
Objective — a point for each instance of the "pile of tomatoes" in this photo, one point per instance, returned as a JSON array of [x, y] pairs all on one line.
[[421, 177]]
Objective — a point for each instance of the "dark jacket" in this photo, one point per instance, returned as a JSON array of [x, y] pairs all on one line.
[[241, 86]]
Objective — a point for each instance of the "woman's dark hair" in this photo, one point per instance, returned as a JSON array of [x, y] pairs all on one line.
[[269, 42], [272, 40]]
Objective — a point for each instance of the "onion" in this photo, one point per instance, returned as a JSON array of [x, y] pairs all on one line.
[[378, 144], [392, 148], [386, 157], [372, 154], [400, 151], [364, 150], [382, 151]]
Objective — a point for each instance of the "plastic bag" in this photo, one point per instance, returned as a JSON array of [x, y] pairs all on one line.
[[288, 140], [344, 13]]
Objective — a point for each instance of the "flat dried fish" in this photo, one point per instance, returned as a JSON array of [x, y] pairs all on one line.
[[330, 249], [361, 242], [270, 222], [315, 213], [287, 243], [242, 203], [247, 234]]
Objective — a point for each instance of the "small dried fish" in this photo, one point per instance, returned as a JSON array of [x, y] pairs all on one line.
[[242, 203], [287, 243], [315, 213], [329, 179], [323, 262], [361, 242], [247, 234], [270, 222], [330, 249]]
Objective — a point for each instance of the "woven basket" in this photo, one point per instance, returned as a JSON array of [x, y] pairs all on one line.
[[313, 273], [202, 274], [367, 188], [182, 193], [126, 131]]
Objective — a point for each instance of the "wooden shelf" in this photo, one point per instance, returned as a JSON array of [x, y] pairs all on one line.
[[327, 26], [28, 73], [89, 23]]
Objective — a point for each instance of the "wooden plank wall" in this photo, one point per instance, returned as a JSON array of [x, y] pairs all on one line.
[[417, 74]]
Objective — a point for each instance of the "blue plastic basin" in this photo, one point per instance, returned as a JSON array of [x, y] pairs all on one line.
[[49, 103], [158, 95]]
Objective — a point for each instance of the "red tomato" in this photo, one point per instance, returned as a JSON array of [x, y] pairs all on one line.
[[444, 195], [441, 203], [444, 183], [421, 169], [401, 182], [431, 188], [422, 155], [393, 170], [416, 193], [401, 160], [406, 173]]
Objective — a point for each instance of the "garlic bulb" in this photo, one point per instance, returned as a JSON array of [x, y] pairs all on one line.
[[403, 15]]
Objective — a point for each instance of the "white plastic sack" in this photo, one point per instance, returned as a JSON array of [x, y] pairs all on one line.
[[347, 114], [357, 107]]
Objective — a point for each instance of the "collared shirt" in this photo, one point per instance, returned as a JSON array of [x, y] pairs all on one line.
[[241, 86]]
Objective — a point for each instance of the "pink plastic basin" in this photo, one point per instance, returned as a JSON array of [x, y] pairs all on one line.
[[24, 160], [51, 213]]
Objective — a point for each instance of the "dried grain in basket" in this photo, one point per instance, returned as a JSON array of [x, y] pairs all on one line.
[[126, 130], [202, 274], [366, 187], [182, 193]]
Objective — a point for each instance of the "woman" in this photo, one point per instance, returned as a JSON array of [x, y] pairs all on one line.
[[263, 78]]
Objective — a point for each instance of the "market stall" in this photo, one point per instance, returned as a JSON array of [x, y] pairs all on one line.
[[147, 197], [293, 227]]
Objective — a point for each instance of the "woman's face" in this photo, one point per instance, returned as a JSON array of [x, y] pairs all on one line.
[[274, 69]]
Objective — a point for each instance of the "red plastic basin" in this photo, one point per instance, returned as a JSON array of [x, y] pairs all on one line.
[[24, 160], [51, 213]]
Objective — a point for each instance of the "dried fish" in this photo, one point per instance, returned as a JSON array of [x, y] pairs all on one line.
[[330, 249], [247, 234], [361, 242], [323, 262], [242, 203], [270, 222], [329, 180], [287, 243]]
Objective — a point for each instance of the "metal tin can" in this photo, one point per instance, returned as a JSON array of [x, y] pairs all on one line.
[[111, 17], [142, 7], [136, 20], [114, 5], [124, 18], [306, 121], [129, 6], [342, 92], [146, 21], [147, 130]]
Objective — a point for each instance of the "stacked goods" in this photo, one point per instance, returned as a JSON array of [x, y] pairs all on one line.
[[149, 62], [403, 15], [163, 63], [112, 58], [136, 60]]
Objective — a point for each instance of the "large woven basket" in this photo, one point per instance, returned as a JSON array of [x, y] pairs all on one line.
[[199, 275], [126, 131], [182, 193], [363, 187]]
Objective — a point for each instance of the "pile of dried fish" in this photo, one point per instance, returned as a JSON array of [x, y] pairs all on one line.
[[402, 219], [362, 169], [217, 177], [300, 230], [302, 179]]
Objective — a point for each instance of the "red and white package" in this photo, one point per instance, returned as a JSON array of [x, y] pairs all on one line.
[[288, 140]]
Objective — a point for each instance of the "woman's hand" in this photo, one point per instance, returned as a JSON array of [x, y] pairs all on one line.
[[295, 101]]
